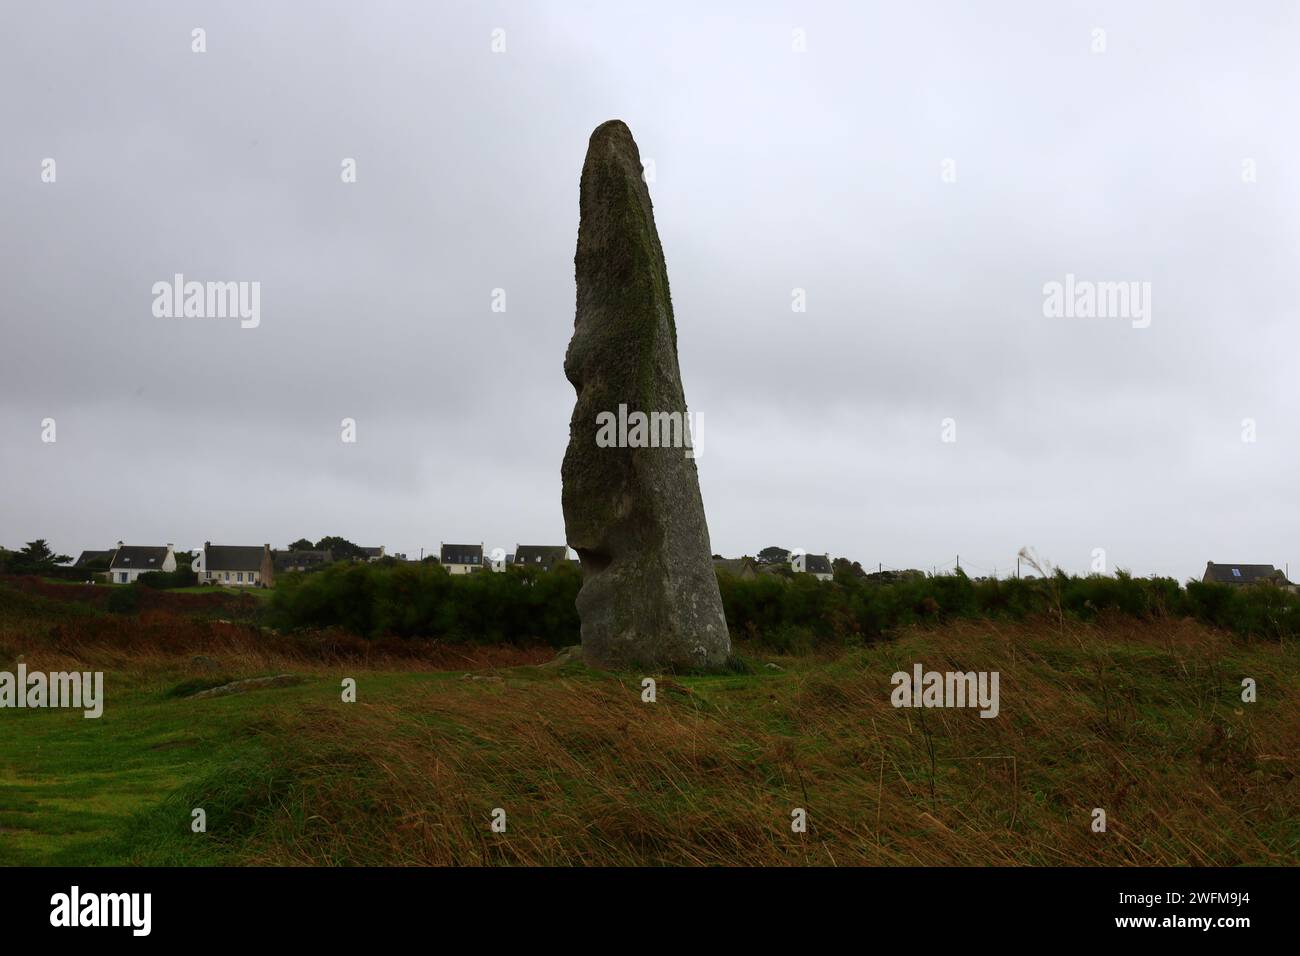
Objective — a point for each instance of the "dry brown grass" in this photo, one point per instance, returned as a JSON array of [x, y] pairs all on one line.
[[166, 640], [1144, 722]]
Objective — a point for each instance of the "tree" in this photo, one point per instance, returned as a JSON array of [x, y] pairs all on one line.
[[302, 544], [847, 571], [341, 548], [774, 555], [846, 567], [38, 556]]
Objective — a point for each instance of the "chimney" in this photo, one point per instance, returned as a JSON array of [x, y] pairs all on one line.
[[119, 544]]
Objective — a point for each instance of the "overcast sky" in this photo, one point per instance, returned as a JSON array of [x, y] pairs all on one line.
[[1169, 158]]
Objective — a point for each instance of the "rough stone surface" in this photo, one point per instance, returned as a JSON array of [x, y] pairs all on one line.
[[649, 595], [243, 686]]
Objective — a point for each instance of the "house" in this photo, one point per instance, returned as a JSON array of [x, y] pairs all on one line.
[[373, 554], [239, 566], [544, 556], [131, 561], [282, 561], [94, 560], [818, 565], [461, 558], [744, 568], [1241, 574]]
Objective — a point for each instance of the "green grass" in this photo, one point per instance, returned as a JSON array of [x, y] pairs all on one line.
[[71, 787]]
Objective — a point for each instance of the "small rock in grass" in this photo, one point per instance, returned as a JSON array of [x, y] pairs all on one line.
[[254, 683], [569, 655]]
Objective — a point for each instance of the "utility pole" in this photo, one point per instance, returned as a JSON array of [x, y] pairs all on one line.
[[1017, 568]]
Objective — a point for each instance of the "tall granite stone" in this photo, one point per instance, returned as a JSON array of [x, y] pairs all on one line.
[[633, 513]]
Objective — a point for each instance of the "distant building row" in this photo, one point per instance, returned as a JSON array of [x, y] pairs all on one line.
[[257, 565], [465, 558], [234, 565], [819, 566]]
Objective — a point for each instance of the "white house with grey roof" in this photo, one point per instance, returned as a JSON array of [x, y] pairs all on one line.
[[234, 566], [818, 565], [461, 558], [130, 561]]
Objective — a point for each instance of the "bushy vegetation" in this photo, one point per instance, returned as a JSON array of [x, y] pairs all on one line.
[[519, 606], [787, 613], [124, 599], [42, 603], [166, 580], [799, 612]]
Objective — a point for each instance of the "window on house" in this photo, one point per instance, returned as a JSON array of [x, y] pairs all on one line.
[[1236, 572], [239, 576]]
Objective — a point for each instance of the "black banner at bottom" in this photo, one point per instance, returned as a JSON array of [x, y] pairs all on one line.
[[335, 905]]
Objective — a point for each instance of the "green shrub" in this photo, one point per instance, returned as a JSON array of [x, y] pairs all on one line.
[[788, 614], [124, 599], [520, 605], [160, 580]]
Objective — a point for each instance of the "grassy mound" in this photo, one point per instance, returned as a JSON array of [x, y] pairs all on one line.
[[1143, 719]]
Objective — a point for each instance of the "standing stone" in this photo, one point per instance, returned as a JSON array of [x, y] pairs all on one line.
[[633, 513]]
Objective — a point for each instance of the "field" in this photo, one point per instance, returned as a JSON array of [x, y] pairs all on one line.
[[1143, 719]]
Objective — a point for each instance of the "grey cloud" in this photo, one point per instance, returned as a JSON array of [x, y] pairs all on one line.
[[774, 170]]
